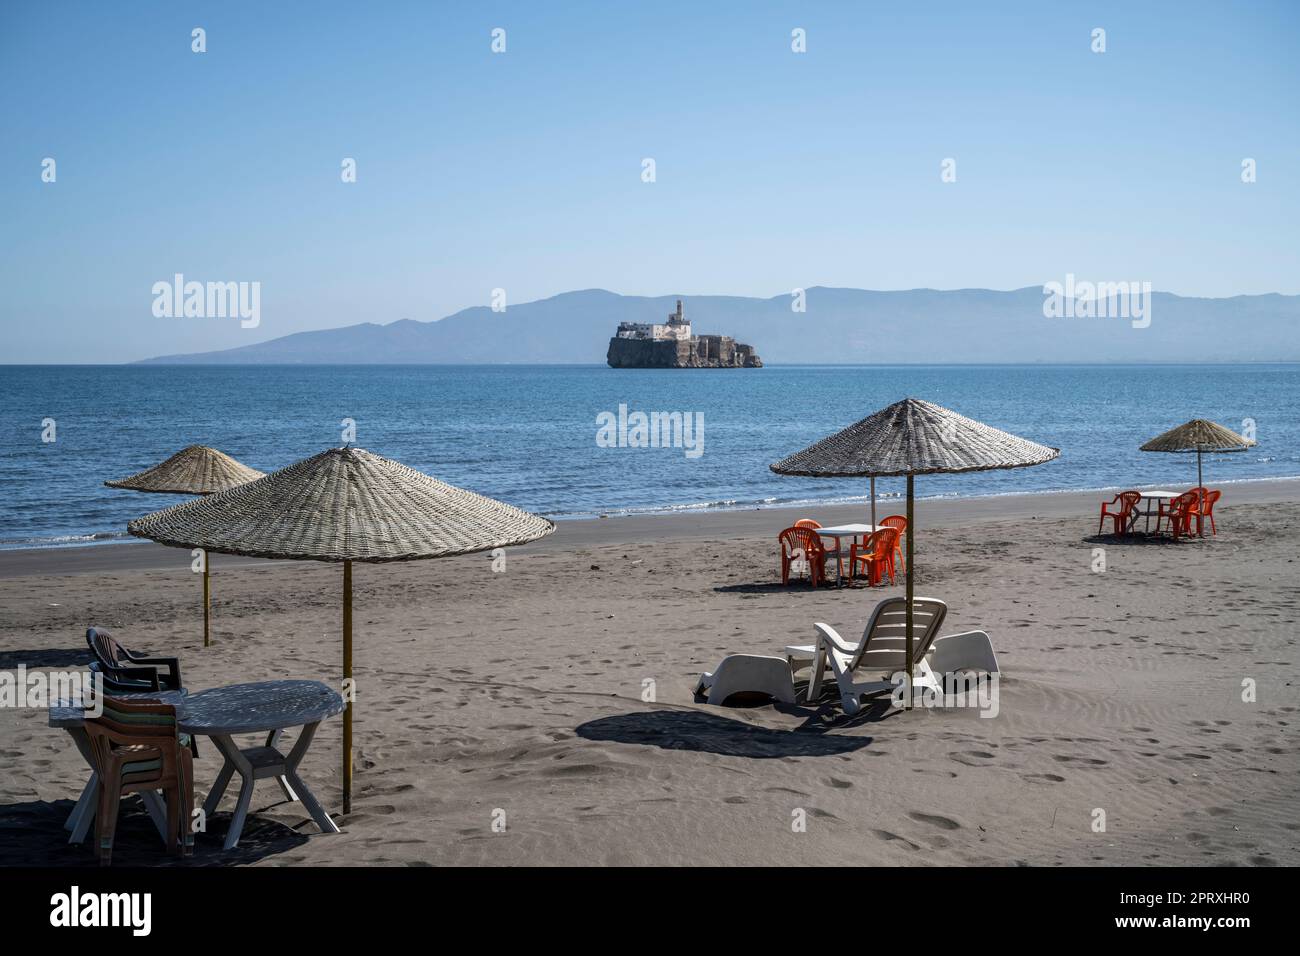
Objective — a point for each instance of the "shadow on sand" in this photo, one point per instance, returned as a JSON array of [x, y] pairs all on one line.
[[1138, 540], [43, 657], [794, 589], [32, 834], [718, 734]]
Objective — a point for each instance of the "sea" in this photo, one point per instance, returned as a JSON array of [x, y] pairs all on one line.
[[550, 438]]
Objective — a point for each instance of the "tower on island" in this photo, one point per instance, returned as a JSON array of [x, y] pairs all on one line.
[[671, 345], [676, 319]]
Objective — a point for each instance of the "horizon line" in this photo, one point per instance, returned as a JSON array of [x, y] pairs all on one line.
[[156, 363]]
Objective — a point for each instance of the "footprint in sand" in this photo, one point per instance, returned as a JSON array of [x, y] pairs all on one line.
[[1071, 758], [837, 783], [891, 837], [972, 758], [384, 791], [943, 823], [797, 793], [821, 814]]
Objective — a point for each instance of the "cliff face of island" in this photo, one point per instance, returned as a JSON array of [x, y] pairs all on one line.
[[671, 345], [700, 351]]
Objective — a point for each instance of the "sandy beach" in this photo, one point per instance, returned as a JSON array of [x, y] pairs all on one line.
[[519, 696]]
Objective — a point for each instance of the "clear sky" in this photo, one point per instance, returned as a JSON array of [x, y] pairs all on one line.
[[523, 170]]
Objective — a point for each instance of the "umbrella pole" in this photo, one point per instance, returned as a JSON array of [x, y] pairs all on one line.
[[911, 536], [347, 679], [1200, 502], [873, 501], [207, 603]]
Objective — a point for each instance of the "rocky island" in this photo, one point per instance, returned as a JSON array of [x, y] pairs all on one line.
[[671, 345]]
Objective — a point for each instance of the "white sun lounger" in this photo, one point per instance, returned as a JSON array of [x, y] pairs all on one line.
[[880, 654], [968, 653], [971, 652], [749, 674]]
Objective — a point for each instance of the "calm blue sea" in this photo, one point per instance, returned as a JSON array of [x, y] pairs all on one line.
[[527, 434]]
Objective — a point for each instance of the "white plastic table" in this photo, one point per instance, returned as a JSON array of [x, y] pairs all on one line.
[[844, 531], [268, 707], [1159, 497]]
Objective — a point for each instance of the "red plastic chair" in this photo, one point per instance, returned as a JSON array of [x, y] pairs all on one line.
[[899, 523], [1203, 508], [1181, 511], [806, 523], [877, 555], [1127, 501], [1168, 509], [802, 544]]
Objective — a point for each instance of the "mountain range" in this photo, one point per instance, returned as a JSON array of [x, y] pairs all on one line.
[[837, 326]]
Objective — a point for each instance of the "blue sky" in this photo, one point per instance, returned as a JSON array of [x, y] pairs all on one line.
[[522, 170]]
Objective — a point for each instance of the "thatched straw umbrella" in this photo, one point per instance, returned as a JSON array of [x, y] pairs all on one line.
[[344, 505], [912, 438], [1198, 435], [196, 470]]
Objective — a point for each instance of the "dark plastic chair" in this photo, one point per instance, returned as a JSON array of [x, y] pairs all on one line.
[[126, 672]]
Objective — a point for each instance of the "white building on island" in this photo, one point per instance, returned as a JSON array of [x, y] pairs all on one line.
[[677, 327]]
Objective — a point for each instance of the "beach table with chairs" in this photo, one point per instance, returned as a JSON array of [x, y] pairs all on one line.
[[851, 531], [1179, 508], [266, 707]]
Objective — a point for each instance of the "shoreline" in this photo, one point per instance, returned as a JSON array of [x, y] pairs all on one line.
[[948, 512], [882, 498]]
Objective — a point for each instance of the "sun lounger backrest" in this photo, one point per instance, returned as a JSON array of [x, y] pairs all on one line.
[[884, 642]]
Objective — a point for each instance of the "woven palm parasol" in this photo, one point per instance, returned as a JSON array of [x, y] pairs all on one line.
[[1199, 436], [912, 438], [344, 505], [195, 470]]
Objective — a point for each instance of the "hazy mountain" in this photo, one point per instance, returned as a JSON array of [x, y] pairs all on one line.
[[838, 326]]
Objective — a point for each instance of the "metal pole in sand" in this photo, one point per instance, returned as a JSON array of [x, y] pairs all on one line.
[[347, 682], [911, 536], [207, 603]]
